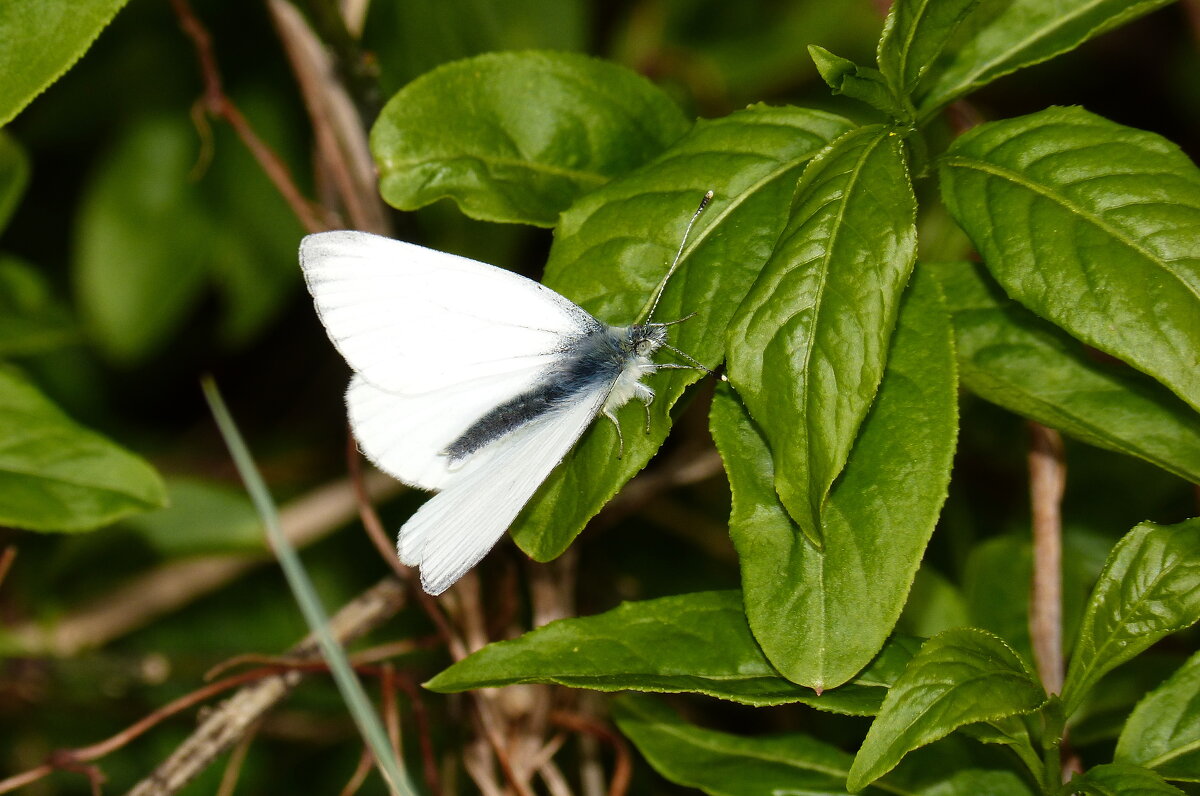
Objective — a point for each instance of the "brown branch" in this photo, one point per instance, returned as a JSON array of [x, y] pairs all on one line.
[[1047, 480], [365, 762], [424, 734], [6, 560], [171, 586], [623, 768], [232, 718], [340, 135], [218, 104], [233, 769]]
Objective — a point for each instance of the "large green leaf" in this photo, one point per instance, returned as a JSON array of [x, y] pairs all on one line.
[[56, 475], [14, 175], [696, 643], [821, 614], [1150, 587], [808, 344], [722, 764], [1163, 732], [959, 677], [1119, 779], [518, 137], [1091, 225], [1011, 357], [1002, 37], [32, 320], [612, 250], [913, 36], [42, 39]]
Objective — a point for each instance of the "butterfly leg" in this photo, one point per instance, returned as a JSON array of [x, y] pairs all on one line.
[[646, 396], [620, 439]]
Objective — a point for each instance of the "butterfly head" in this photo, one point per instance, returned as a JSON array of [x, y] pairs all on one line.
[[644, 340]]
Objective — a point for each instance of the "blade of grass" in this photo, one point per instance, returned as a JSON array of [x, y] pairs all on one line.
[[369, 725]]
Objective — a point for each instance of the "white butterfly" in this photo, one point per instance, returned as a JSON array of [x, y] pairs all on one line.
[[468, 379]]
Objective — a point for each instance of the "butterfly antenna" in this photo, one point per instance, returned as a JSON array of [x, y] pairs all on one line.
[[675, 263], [695, 364]]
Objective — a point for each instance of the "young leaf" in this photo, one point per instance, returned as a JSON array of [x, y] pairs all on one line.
[[1010, 357], [56, 475], [808, 344], [612, 250], [1150, 587], [1004, 37], [913, 36], [42, 40], [821, 614], [1163, 732], [1091, 225], [729, 765], [1119, 779], [695, 643], [517, 137], [859, 82], [14, 174], [959, 677]]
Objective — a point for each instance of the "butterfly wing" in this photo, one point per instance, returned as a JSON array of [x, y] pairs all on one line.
[[435, 341], [458, 526], [413, 320]]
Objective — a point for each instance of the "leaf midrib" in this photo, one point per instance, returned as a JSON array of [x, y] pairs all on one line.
[[1064, 202]]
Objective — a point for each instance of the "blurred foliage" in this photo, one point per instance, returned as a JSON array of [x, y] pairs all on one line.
[[140, 249]]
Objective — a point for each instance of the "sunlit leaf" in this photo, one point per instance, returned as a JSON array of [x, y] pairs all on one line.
[[518, 137], [1149, 588], [959, 677], [808, 344], [42, 39], [913, 36], [1002, 37], [1163, 732], [1091, 225], [820, 615], [56, 475], [1119, 779], [696, 643]]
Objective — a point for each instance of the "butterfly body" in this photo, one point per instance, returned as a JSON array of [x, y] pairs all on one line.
[[468, 379]]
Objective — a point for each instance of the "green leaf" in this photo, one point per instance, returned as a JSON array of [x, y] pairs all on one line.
[[1012, 358], [14, 174], [697, 643], [56, 475], [1150, 587], [729, 765], [808, 344], [820, 615], [42, 40], [611, 251], [32, 321], [202, 518], [1119, 779], [722, 764], [1092, 226], [153, 235], [862, 83], [959, 677], [1163, 732], [518, 137], [1002, 37], [914, 35], [142, 236]]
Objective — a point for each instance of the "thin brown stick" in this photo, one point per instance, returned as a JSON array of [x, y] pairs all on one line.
[[237, 758], [623, 767], [424, 735], [365, 762], [171, 586], [340, 135], [230, 720], [1047, 480], [391, 711], [220, 105], [6, 560]]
